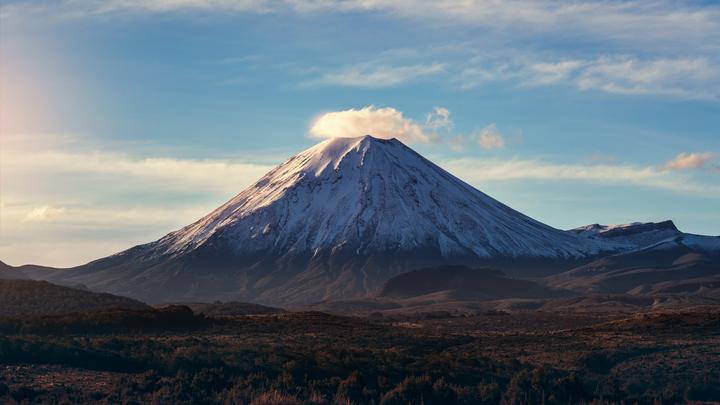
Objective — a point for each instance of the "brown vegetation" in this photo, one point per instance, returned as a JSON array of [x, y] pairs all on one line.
[[29, 297], [315, 358]]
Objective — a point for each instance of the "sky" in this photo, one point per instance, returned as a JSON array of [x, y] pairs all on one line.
[[123, 120]]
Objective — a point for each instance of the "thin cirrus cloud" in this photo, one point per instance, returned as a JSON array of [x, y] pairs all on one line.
[[543, 73], [79, 232], [60, 197], [477, 171], [694, 78], [637, 21], [685, 161], [372, 76], [172, 173], [490, 138], [43, 213], [683, 78], [46, 181], [638, 48]]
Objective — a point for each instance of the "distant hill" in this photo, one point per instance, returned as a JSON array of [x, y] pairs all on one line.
[[629, 303], [687, 264], [32, 298], [233, 308], [25, 272], [464, 283]]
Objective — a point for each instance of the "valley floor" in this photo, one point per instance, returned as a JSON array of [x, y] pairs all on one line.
[[316, 358]]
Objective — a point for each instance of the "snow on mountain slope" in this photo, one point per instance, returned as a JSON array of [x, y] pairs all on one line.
[[678, 263], [627, 236], [697, 243], [370, 195], [335, 222]]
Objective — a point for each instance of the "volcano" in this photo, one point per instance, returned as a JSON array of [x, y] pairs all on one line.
[[335, 221]]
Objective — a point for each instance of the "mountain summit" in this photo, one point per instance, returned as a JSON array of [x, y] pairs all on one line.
[[333, 222], [364, 196]]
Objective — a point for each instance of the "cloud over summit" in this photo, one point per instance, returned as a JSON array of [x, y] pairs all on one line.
[[380, 122]]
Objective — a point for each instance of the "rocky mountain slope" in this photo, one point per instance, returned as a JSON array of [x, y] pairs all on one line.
[[681, 264]]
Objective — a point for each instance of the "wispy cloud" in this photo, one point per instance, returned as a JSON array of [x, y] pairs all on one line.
[[544, 73], [641, 21], [642, 47], [477, 171], [43, 213], [490, 138], [696, 78], [84, 231], [375, 76], [63, 205], [438, 119], [457, 142], [683, 78], [689, 161], [171, 174]]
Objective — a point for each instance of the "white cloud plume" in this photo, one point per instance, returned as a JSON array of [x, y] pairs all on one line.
[[689, 161], [383, 122], [490, 138]]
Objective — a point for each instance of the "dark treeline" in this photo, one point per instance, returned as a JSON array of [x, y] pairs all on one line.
[[167, 319]]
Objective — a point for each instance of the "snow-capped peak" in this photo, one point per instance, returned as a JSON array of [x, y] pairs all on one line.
[[369, 195]]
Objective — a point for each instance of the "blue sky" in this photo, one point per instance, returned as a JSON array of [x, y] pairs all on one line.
[[123, 120]]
